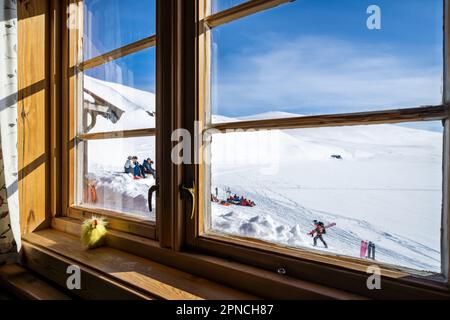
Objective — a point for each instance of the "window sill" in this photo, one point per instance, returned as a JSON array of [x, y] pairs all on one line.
[[142, 278], [144, 267]]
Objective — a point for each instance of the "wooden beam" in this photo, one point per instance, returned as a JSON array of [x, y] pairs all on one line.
[[34, 102], [56, 102], [428, 113], [119, 134], [119, 53], [240, 11]]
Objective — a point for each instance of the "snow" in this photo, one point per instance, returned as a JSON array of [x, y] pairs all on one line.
[[387, 188], [106, 158], [137, 104]]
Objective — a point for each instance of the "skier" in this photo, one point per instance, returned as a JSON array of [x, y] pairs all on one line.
[[319, 230]]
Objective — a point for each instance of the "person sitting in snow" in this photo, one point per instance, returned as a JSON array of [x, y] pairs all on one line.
[[319, 231], [138, 171], [147, 164], [129, 165]]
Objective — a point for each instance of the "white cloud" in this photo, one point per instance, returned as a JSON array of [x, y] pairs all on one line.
[[324, 73]]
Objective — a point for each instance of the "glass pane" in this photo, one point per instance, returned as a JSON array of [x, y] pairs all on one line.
[[312, 57], [111, 24], [377, 183], [220, 5], [119, 95], [106, 185]]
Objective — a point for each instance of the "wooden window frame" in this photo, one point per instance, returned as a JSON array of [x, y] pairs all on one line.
[[346, 273], [181, 80], [72, 67]]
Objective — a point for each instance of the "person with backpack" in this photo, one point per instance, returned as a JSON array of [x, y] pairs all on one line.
[[147, 164], [319, 230]]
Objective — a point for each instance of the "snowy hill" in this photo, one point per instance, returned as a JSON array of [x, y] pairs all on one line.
[[386, 188], [138, 106]]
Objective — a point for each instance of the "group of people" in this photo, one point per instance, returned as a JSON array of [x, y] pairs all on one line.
[[236, 200], [240, 201], [132, 166]]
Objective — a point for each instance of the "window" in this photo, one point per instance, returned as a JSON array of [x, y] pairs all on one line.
[[312, 117], [115, 109]]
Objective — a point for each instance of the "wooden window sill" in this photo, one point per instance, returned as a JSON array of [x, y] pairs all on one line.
[[161, 273], [153, 280]]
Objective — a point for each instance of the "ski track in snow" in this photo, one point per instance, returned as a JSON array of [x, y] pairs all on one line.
[[291, 228], [383, 180]]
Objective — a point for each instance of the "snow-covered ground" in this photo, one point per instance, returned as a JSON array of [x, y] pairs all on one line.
[[387, 188]]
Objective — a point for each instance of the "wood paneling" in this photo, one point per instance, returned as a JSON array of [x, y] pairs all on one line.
[[33, 113], [56, 106], [26, 285]]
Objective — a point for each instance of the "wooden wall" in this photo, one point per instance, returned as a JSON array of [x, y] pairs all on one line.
[[33, 113]]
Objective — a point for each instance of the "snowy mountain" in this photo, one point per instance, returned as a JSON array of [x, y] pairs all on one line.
[[385, 188]]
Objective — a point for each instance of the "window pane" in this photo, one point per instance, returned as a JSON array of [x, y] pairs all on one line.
[[220, 5], [105, 184], [319, 57], [377, 183], [119, 95], [111, 24]]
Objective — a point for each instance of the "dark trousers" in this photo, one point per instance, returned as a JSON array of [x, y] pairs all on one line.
[[139, 171], [319, 236]]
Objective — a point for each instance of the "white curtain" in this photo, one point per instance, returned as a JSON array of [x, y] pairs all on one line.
[[9, 199]]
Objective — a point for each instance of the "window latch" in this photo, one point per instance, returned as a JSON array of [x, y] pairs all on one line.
[[190, 191], [154, 188]]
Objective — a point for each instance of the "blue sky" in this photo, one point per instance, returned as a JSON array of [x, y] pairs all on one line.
[[306, 57]]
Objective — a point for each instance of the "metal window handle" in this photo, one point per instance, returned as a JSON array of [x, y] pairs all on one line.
[[191, 191], [154, 188]]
